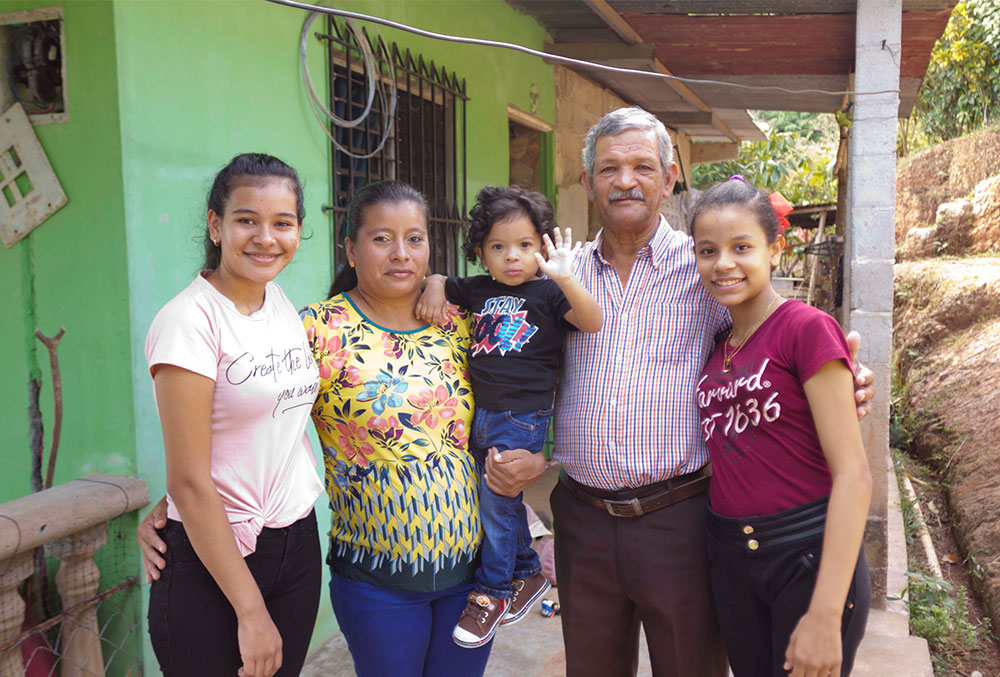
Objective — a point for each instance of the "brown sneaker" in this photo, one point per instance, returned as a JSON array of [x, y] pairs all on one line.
[[526, 592], [479, 620]]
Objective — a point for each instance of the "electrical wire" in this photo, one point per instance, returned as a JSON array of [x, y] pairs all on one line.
[[562, 59], [370, 72], [374, 83]]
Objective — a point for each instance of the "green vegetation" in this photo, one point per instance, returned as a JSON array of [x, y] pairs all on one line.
[[797, 158], [901, 425], [939, 611], [962, 85]]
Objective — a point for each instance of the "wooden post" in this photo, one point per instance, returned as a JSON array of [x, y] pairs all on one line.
[[77, 579], [12, 572], [818, 239]]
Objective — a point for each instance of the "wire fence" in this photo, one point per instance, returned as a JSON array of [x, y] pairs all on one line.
[[81, 608]]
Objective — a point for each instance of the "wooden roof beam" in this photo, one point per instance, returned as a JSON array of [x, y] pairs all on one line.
[[621, 27], [614, 20], [610, 53], [695, 100], [705, 152], [686, 118]]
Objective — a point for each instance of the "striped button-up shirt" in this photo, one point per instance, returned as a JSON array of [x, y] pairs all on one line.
[[626, 414]]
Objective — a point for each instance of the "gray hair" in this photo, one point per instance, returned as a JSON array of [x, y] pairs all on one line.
[[623, 120]]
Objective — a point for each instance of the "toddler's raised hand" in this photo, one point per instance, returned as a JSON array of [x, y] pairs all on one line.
[[559, 266]]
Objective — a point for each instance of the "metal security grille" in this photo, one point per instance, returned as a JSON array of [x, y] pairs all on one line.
[[425, 148]]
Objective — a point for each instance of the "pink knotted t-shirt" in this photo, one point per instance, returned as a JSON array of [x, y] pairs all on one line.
[[265, 383]]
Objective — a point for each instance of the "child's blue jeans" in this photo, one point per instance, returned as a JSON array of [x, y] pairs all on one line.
[[506, 553]]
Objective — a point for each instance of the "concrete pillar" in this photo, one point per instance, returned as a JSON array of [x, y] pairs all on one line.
[[13, 571], [78, 580], [870, 242]]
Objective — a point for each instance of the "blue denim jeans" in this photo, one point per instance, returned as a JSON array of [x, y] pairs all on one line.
[[506, 553], [404, 633]]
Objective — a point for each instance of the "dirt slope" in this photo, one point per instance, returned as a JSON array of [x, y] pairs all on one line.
[[947, 335]]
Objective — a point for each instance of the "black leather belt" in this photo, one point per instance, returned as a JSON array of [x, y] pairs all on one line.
[[797, 524], [659, 495]]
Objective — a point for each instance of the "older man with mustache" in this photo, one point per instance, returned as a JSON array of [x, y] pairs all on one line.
[[629, 509]]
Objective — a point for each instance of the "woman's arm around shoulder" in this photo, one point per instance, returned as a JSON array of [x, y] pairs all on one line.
[[184, 401]]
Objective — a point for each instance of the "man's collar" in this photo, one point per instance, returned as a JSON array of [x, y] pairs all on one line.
[[655, 249]]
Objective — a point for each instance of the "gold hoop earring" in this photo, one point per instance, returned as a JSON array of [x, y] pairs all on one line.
[[215, 242]]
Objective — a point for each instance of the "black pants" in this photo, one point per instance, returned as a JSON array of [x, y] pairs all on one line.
[[193, 626], [763, 571]]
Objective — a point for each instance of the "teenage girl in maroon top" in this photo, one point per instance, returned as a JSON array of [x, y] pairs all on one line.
[[790, 490]]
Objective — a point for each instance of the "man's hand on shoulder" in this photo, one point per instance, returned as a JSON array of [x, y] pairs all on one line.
[[864, 378]]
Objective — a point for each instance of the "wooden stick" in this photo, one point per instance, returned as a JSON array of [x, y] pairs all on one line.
[[925, 537], [51, 344]]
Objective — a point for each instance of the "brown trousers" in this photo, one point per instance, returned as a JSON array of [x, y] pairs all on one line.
[[616, 573]]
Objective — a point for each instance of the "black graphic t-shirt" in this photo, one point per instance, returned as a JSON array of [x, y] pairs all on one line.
[[517, 340]]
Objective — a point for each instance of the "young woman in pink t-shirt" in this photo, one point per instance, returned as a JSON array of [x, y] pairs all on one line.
[[791, 485], [234, 380]]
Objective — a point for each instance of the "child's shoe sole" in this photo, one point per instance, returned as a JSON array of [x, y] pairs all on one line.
[[510, 618]]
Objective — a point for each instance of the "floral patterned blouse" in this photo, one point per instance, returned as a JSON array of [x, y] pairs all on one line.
[[393, 416]]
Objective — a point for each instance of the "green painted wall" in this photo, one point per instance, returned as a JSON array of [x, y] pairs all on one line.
[[76, 263], [161, 94], [71, 271], [226, 80]]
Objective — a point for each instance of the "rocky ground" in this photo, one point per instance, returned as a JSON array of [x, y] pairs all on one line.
[[943, 173]]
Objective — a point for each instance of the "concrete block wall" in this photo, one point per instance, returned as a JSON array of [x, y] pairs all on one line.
[[870, 243], [579, 104]]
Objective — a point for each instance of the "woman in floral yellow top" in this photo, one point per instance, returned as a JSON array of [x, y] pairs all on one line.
[[393, 416]]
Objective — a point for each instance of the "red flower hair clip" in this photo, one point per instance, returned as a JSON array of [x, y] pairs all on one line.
[[781, 207]]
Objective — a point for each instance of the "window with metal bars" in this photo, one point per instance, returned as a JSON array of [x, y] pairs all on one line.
[[425, 146]]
